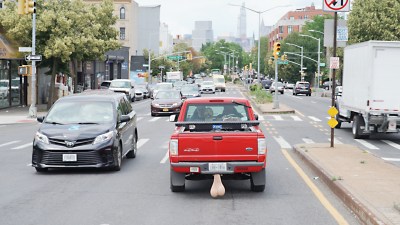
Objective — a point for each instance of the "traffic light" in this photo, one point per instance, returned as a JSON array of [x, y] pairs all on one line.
[[21, 7], [189, 56], [30, 7], [25, 70], [285, 56], [277, 49]]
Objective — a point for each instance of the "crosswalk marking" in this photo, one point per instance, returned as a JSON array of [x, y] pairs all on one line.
[[282, 142], [336, 141], [308, 141], [278, 118], [141, 142], [9, 143], [23, 146], [154, 119], [166, 157], [366, 144], [394, 145], [392, 159], [296, 118], [314, 118]]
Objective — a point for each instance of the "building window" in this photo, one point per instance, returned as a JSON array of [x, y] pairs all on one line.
[[122, 13], [290, 29], [280, 29], [305, 17], [122, 33], [300, 17], [291, 18]]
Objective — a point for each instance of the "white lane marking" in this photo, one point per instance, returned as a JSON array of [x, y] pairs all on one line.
[[139, 118], [392, 159], [23, 146], [164, 160], [366, 144], [308, 141], [314, 118], [336, 141], [391, 143], [313, 102], [9, 143], [141, 142], [154, 119], [282, 142], [296, 118], [278, 117], [301, 114], [295, 97], [328, 117]]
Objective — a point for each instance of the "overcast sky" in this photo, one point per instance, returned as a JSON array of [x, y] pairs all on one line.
[[181, 14]]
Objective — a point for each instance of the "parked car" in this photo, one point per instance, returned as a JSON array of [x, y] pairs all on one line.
[[217, 136], [190, 91], [105, 84], [166, 102], [161, 86], [92, 129], [125, 86], [143, 89], [278, 85], [207, 87], [302, 87]]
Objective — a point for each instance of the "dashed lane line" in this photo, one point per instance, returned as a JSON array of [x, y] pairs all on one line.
[[282, 142], [9, 143], [391, 159], [308, 141], [154, 119], [314, 119], [166, 157], [279, 118], [296, 118], [141, 142], [391, 143], [23, 146], [366, 144]]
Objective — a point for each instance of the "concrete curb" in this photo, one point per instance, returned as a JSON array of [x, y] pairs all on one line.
[[359, 209]]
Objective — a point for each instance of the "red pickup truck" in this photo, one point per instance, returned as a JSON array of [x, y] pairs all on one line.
[[217, 136]]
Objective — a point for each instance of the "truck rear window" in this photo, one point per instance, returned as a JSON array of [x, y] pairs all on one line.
[[216, 112]]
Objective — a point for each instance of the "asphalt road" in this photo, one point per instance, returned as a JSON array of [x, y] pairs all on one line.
[[140, 194]]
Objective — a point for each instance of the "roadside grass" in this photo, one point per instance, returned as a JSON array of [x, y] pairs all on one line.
[[261, 96]]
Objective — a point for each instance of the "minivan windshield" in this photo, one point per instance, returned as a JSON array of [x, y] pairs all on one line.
[[68, 112], [120, 84]]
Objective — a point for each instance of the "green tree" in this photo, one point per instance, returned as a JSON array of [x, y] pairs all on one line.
[[374, 20]]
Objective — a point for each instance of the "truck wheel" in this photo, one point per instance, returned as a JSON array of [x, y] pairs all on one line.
[[337, 118], [177, 181], [358, 121], [257, 181]]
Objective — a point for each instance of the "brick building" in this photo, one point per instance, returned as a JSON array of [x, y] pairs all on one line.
[[293, 21]]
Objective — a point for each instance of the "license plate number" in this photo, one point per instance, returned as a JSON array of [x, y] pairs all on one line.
[[165, 110], [69, 158], [217, 167]]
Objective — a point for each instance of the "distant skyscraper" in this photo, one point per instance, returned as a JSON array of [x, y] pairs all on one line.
[[149, 29], [202, 34], [241, 27]]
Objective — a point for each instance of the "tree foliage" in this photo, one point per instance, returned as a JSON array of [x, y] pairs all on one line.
[[216, 60], [374, 20]]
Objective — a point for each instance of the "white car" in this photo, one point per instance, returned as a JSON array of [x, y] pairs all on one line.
[[139, 95], [207, 87], [125, 86]]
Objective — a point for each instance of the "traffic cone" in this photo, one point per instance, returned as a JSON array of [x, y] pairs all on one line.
[[217, 189]]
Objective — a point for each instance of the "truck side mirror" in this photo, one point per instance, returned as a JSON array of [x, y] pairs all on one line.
[[256, 116]]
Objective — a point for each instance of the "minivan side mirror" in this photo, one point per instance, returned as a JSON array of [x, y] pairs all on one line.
[[124, 118], [40, 119]]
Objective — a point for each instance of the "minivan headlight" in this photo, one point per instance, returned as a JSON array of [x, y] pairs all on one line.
[[103, 137], [41, 137]]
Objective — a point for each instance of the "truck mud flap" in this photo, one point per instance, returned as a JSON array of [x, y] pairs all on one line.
[[258, 178]]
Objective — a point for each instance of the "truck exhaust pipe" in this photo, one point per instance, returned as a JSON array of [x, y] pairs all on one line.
[[217, 189]]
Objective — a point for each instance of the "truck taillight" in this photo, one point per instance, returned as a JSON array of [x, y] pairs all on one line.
[[173, 147], [262, 146]]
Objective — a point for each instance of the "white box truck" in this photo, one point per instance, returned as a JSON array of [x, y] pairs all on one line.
[[370, 93], [172, 77]]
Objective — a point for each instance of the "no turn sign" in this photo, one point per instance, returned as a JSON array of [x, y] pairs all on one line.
[[336, 5]]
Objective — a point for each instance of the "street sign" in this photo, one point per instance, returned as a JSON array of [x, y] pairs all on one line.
[[175, 57], [322, 64], [334, 63], [161, 67], [342, 34], [332, 122], [25, 49], [336, 5], [283, 62], [33, 57], [145, 65], [333, 111]]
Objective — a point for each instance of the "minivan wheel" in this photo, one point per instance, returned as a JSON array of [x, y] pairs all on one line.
[[118, 158], [132, 153]]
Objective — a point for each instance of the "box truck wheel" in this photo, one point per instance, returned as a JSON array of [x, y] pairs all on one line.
[[358, 122], [337, 118]]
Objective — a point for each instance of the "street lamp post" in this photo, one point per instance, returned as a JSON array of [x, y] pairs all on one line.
[[301, 59], [319, 55], [319, 52], [259, 25]]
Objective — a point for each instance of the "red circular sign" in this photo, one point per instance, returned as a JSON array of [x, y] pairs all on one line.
[[330, 2]]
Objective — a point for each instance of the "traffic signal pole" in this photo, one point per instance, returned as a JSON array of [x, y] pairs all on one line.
[[32, 108]]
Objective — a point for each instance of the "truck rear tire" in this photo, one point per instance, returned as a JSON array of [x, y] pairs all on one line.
[[257, 181], [177, 181], [358, 121]]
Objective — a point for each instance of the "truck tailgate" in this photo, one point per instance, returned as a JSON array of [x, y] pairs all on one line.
[[218, 146]]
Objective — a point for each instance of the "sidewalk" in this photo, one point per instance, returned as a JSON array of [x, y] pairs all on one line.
[[20, 114], [366, 184]]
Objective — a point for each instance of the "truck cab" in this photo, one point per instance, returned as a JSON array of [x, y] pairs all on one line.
[[217, 136]]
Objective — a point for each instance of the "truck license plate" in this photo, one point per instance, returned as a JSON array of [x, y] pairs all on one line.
[[217, 167], [69, 158], [165, 110]]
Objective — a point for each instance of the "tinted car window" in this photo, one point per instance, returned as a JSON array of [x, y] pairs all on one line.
[[81, 112], [216, 112]]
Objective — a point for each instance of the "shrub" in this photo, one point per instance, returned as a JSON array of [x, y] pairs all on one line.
[[261, 96]]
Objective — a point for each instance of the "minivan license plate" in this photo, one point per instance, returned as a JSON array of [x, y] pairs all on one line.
[[69, 158], [165, 110], [217, 167]]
